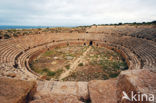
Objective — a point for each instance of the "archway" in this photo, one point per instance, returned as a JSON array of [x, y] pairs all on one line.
[[90, 43]]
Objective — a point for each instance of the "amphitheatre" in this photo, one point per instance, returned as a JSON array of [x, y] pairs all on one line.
[[93, 64]]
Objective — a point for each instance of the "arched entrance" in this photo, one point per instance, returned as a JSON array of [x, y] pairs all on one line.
[[90, 43]]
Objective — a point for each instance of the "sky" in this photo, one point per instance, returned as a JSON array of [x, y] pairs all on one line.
[[75, 12]]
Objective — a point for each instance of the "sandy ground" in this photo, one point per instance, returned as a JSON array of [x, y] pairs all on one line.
[[74, 64]]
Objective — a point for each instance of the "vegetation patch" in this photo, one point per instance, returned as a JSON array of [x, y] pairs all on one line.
[[80, 64], [6, 36], [53, 62], [49, 53], [67, 67], [101, 64]]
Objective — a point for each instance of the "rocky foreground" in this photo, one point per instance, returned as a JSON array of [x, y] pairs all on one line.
[[95, 91]]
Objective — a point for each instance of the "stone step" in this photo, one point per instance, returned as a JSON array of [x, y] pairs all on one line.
[[67, 92]]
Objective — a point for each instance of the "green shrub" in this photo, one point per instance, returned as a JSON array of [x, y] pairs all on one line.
[[80, 64], [104, 67], [15, 35], [58, 73], [11, 30], [105, 77], [113, 75], [45, 70], [116, 65], [67, 67], [50, 73], [6, 36], [48, 53], [124, 64]]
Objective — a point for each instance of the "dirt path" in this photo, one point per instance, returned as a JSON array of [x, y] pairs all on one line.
[[74, 64]]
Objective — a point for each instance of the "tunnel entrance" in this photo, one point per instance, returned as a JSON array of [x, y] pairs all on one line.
[[90, 43], [15, 65]]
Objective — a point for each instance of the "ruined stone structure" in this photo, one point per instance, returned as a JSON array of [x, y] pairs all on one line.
[[139, 53]]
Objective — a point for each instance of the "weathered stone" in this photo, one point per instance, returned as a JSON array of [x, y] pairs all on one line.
[[103, 91], [11, 75], [58, 99], [54, 62], [78, 89], [44, 77], [47, 89], [56, 58], [140, 81], [16, 91], [69, 57]]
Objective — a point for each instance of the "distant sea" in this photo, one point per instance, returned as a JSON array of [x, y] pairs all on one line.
[[2, 27]]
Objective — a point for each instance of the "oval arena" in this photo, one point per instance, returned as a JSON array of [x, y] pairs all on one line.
[[134, 44]]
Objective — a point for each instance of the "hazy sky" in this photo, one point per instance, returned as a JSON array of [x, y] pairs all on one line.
[[75, 12]]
